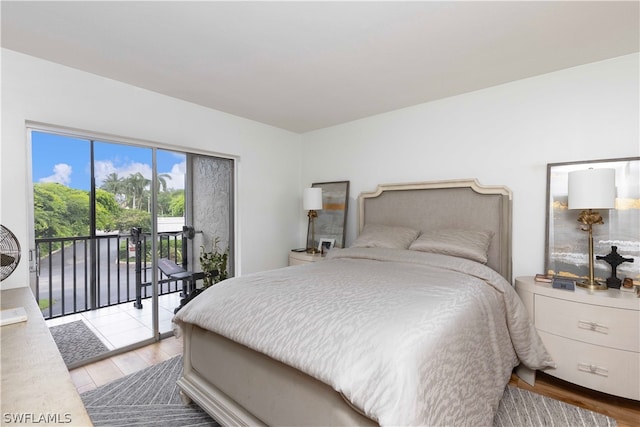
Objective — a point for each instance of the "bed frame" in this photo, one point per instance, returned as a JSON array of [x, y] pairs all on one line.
[[239, 386], [445, 204]]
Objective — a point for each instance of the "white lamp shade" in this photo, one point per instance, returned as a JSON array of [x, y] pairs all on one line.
[[592, 189], [312, 199]]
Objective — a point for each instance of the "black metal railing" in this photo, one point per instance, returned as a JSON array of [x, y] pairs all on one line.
[[70, 280]]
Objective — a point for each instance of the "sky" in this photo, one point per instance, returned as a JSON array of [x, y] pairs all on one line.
[[66, 160]]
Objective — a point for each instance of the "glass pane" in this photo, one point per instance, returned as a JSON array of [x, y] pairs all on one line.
[[61, 184], [61, 211], [123, 175]]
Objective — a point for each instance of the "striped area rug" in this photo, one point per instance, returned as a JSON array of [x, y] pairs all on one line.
[[150, 398], [519, 408]]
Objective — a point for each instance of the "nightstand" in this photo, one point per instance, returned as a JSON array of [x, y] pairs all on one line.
[[593, 336], [297, 258]]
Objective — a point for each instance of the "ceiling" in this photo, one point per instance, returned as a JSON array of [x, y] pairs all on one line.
[[308, 65]]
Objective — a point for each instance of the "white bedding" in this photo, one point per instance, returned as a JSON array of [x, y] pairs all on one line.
[[409, 338]]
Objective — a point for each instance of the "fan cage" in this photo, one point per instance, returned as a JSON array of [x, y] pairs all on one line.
[[9, 252]]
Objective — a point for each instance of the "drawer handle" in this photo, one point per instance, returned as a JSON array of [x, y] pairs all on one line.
[[593, 326], [593, 369]]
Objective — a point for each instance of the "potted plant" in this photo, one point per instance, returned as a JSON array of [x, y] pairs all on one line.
[[214, 263]]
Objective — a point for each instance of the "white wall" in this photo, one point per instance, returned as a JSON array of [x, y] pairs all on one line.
[[37, 90], [504, 135]]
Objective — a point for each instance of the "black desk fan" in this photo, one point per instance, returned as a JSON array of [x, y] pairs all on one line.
[[9, 259], [9, 253]]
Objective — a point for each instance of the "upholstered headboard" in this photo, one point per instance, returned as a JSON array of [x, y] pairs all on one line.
[[460, 204]]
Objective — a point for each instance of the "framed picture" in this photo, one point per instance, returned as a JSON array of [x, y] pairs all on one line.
[[326, 244], [567, 246], [332, 218]]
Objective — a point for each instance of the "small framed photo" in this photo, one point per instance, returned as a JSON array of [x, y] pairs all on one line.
[[326, 244]]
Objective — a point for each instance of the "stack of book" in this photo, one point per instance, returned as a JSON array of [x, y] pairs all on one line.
[[544, 278]]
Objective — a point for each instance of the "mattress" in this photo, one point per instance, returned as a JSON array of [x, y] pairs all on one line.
[[390, 330]]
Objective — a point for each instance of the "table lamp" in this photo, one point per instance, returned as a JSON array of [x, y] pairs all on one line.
[[591, 189], [312, 202]]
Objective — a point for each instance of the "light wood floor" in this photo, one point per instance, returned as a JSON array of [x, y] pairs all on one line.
[[104, 371], [625, 411]]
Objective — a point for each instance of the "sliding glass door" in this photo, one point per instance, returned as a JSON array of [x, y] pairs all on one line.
[[104, 212]]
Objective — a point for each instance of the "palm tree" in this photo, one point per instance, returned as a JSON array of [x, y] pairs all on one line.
[[136, 184], [163, 197], [162, 180], [113, 183]]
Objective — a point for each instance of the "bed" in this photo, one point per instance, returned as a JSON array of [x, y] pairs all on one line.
[[415, 324]]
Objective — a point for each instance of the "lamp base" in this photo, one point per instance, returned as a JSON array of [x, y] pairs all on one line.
[[595, 286], [313, 251]]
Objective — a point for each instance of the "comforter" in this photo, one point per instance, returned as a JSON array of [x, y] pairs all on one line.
[[409, 338]]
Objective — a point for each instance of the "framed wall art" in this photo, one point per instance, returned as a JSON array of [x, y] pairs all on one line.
[[567, 245], [326, 245], [332, 218]]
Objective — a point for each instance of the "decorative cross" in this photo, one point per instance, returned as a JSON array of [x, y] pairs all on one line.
[[614, 259]]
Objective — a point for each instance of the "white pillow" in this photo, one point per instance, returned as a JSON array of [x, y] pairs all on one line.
[[385, 236], [473, 245]]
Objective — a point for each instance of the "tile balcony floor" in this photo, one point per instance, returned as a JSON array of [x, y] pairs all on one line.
[[121, 325]]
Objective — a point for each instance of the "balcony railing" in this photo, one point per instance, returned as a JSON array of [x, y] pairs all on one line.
[[70, 280]]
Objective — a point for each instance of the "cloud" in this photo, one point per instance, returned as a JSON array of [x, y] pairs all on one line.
[[177, 174], [61, 174], [104, 168]]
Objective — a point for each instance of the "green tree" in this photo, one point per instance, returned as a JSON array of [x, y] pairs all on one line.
[[107, 210], [50, 210], [167, 204], [129, 218], [176, 207], [60, 211], [77, 211]]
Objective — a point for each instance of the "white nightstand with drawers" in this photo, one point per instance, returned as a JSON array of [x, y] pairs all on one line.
[[297, 258], [594, 337]]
